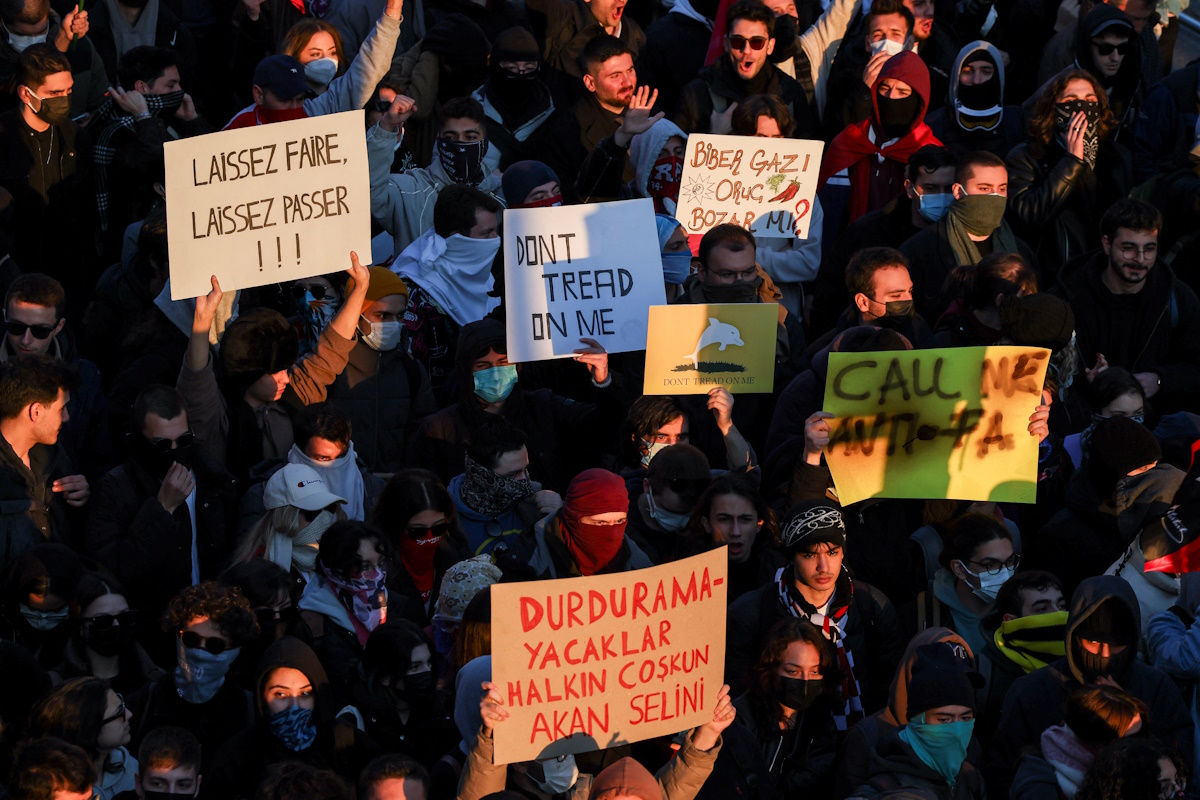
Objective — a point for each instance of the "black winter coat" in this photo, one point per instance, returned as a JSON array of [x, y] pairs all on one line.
[[676, 47], [563, 27], [717, 87], [30, 513]]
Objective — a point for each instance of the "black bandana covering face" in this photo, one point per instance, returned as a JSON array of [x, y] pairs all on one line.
[[463, 161], [490, 494], [1062, 123]]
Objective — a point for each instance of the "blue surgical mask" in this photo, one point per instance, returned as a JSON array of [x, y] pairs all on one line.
[[294, 728], [676, 266], [942, 748], [652, 449], [495, 384], [44, 620], [201, 674], [321, 71], [669, 520], [934, 206]]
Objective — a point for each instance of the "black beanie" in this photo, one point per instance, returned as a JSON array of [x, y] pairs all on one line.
[[1118, 446], [258, 342], [812, 522], [1038, 320], [515, 44], [941, 677], [869, 339], [522, 178]]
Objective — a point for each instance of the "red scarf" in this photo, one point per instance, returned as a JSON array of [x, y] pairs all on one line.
[[417, 557], [593, 547]]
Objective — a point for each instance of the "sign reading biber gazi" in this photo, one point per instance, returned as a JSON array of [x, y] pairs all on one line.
[[266, 204]]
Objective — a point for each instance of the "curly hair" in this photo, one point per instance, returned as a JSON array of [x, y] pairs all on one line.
[[73, 712], [1043, 119], [299, 35], [1126, 768], [765, 674], [226, 606]]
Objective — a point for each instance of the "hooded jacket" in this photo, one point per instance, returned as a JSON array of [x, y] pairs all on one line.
[[894, 766], [243, 760], [946, 123], [1125, 89], [1155, 591], [1036, 700]]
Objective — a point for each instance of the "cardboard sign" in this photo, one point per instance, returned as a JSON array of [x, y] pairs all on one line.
[[580, 271], [764, 185], [947, 423], [693, 348], [589, 663], [267, 204]]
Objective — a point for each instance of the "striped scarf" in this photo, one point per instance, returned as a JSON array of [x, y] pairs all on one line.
[[110, 119], [833, 627], [1033, 642]]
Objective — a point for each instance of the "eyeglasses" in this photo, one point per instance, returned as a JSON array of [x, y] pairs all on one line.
[[17, 328], [735, 277], [164, 446], [994, 567], [120, 713], [104, 622], [317, 291], [1133, 251], [421, 531], [268, 617], [211, 644], [739, 42], [1107, 48]]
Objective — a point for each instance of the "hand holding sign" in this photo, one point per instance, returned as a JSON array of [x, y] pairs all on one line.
[[1039, 421], [594, 358], [724, 714], [720, 402], [491, 707], [816, 436], [401, 109], [206, 309]]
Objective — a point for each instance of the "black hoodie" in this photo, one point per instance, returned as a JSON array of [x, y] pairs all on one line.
[[1036, 700]]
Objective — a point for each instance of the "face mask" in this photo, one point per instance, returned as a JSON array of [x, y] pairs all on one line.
[[737, 292], [652, 449], [23, 43], [887, 46], [200, 674], [897, 315], [294, 728], [316, 316], [52, 110], [980, 214], [1091, 140], [495, 384], [1094, 665], [463, 161], [989, 584], [558, 776], [896, 115], [664, 181], [676, 266], [142, 451], [44, 620], [934, 206], [384, 336], [1085, 436], [418, 684], [110, 642], [269, 115], [942, 748], [322, 71], [798, 694], [490, 494], [168, 103], [669, 520], [545, 202]]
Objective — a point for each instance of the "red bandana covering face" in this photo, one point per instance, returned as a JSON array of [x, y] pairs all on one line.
[[417, 557], [664, 181], [596, 491]]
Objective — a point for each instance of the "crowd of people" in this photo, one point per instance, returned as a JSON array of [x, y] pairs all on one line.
[[247, 541]]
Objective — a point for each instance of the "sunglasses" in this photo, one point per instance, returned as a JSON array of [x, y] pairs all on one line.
[[1107, 48], [318, 292], [739, 42], [421, 531], [120, 713], [104, 622], [16, 328], [194, 641], [268, 617], [164, 446]]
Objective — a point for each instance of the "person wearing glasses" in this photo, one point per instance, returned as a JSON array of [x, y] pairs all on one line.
[[515, 98], [35, 323], [85, 712], [166, 517], [708, 103], [1134, 310]]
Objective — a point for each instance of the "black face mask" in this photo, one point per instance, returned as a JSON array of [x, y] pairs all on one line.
[[798, 694], [146, 453], [979, 96], [896, 115], [899, 315], [1094, 666], [737, 292]]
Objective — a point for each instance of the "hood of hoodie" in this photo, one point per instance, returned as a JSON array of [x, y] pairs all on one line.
[[1134, 560], [1129, 75], [908, 67], [466, 699], [475, 340], [293, 653], [644, 149], [964, 56], [1136, 500], [896, 713], [1088, 597]]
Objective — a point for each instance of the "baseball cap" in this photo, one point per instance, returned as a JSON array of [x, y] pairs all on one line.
[[282, 75], [301, 486]]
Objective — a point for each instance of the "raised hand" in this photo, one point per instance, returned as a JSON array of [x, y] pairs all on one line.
[[595, 358], [131, 101], [401, 109], [1077, 134]]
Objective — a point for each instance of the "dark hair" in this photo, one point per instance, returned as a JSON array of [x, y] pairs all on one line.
[[680, 462], [26, 380], [727, 236], [39, 62], [407, 493], [30, 12], [1043, 117], [456, 207], [295, 780], [929, 158], [298, 36], [260, 581], [339, 544], [37, 289], [462, 108], [764, 674], [44, 767], [144, 64], [169, 748], [394, 80], [860, 272], [392, 766], [1125, 768], [162, 401], [968, 533], [1008, 598], [73, 712], [964, 170], [745, 117], [492, 440], [388, 652], [977, 285], [1100, 714], [1128, 213], [647, 414], [751, 11], [323, 420], [600, 49], [226, 606], [152, 253], [91, 587], [40, 570], [474, 635], [885, 7], [743, 486], [1110, 384]]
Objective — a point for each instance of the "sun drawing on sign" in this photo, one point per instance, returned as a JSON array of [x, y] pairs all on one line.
[[697, 188]]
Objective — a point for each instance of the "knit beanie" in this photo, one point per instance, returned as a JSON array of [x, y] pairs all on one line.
[[522, 178], [515, 44], [941, 678], [1038, 320], [382, 283], [1118, 446], [812, 522]]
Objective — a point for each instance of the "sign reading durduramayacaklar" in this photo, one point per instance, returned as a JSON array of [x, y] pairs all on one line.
[[266, 204], [764, 185], [572, 272]]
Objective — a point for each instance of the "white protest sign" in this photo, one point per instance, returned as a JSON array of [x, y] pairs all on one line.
[[764, 185], [580, 271], [266, 204]]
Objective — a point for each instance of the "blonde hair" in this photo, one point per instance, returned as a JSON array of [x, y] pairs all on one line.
[[282, 521]]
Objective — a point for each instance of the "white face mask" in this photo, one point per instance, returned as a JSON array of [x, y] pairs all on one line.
[[989, 584], [384, 336], [560, 775], [888, 46], [652, 449], [23, 43], [322, 71]]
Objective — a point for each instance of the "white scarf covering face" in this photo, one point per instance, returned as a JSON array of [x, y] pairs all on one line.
[[342, 475], [301, 551], [456, 272]]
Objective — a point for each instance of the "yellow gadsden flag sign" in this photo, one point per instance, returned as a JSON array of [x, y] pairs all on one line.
[[589, 663], [948, 423], [692, 348]]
